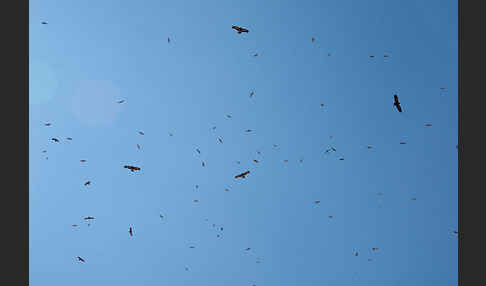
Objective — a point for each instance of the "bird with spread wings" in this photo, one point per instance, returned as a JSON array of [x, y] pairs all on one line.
[[239, 29], [397, 103], [132, 168], [242, 175]]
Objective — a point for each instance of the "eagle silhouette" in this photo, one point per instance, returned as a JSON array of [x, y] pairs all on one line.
[[239, 29], [242, 175], [132, 168], [397, 103]]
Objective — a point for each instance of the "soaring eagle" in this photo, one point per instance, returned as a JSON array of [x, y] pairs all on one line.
[[239, 29], [132, 168], [397, 103], [242, 175]]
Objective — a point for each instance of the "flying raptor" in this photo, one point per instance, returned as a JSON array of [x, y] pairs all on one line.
[[242, 175], [397, 103], [132, 168], [239, 29]]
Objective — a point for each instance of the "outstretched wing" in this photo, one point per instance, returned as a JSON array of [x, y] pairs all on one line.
[[399, 107]]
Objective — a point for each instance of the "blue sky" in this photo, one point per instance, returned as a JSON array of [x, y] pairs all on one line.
[[94, 53]]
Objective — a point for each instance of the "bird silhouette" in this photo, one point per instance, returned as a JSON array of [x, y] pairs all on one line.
[[396, 103], [239, 29], [242, 175]]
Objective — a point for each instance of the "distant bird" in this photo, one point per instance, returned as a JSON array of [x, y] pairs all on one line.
[[89, 218], [372, 56], [47, 124], [197, 186], [330, 216], [170, 134], [356, 254], [256, 161], [74, 225], [385, 56], [121, 101], [82, 161], [87, 183], [214, 127], [55, 139], [196, 201], [69, 138], [255, 55], [414, 199], [44, 23], [247, 249], [198, 151], [238, 162], [428, 124], [220, 140], [301, 160], [203, 164], [328, 54], [443, 88], [369, 147], [130, 231], [141, 133], [242, 175], [192, 247], [161, 216], [313, 39], [228, 115], [131, 168], [374, 248], [341, 159], [168, 40], [226, 189], [187, 269], [403, 143], [251, 94], [239, 29], [138, 146], [80, 259], [275, 146], [322, 104], [44, 151], [317, 202], [333, 149], [397, 103]]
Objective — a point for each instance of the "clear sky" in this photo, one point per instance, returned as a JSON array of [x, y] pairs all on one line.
[[92, 54]]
